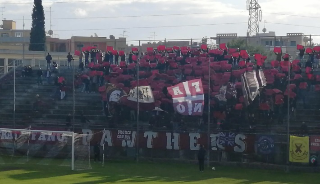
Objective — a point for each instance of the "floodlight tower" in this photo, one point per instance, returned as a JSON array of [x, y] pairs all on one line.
[[255, 16]]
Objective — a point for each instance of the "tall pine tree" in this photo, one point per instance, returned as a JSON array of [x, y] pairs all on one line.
[[38, 33]]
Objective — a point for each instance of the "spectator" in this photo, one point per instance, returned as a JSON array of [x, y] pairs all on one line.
[[106, 57], [81, 66], [130, 57], [36, 104], [48, 58], [93, 56], [54, 67], [48, 76], [63, 91], [116, 58], [86, 85], [86, 57], [84, 120], [24, 71], [39, 77], [201, 156], [123, 57], [96, 151], [304, 128], [80, 57], [94, 83], [110, 57], [68, 121], [69, 58]]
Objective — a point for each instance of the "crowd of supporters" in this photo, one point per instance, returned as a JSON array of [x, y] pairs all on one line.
[[162, 67], [287, 83]]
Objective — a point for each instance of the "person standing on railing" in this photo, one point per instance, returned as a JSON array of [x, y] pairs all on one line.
[[48, 58], [69, 58]]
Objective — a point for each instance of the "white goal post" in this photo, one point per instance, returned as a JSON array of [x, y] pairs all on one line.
[[44, 147]]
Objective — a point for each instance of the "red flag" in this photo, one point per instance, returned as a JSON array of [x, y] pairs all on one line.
[[84, 49], [77, 53], [316, 49], [169, 49], [277, 50], [300, 47], [121, 53], [184, 48], [223, 46], [161, 48], [134, 49], [134, 57], [309, 50], [244, 54], [176, 48], [235, 54], [231, 50], [257, 56], [204, 47], [114, 52], [150, 49], [188, 97], [109, 48]]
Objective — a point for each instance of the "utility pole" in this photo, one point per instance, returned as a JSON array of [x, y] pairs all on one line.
[[50, 32], [23, 40], [50, 18], [154, 36], [255, 16], [2, 11]]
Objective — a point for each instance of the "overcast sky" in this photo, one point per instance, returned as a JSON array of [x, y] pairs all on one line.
[[171, 19]]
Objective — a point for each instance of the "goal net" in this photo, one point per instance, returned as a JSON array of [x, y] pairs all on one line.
[[42, 147]]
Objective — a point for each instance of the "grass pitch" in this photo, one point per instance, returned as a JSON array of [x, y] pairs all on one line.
[[129, 172]]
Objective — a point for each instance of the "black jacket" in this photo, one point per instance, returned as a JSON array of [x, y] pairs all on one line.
[[69, 57], [201, 153], [48, 58], [96, 149]]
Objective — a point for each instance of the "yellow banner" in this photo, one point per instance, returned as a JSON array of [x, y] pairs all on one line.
[[299, 149]]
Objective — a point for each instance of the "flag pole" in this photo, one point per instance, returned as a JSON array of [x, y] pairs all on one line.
[[138, 105], [209, 101], [14, 93], [288, 117]]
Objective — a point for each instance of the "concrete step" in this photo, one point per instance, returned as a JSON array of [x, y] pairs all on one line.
[[97, 107], [63, 116], [88, 112], [21, 115]]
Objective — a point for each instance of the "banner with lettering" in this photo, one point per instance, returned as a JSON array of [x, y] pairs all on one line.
[[230, 142], [265, 144], [299, 149], [144, 94], [315, 143], [188, 97]]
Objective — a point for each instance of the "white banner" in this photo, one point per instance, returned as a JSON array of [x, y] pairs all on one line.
[[145, 94]]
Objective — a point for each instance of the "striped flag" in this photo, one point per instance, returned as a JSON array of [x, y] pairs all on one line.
[[251, 83]]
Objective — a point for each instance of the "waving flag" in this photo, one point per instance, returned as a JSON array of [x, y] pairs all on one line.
[[188, 97], [144, 93], [251, 83]]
